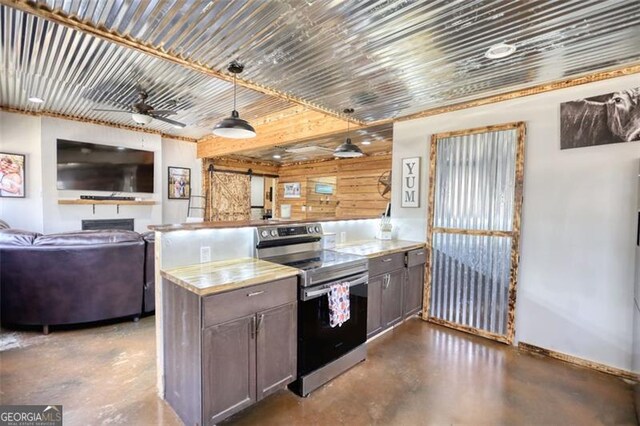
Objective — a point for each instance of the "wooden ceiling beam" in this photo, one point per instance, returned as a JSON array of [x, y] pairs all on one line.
[[59, 17], [273, 132]]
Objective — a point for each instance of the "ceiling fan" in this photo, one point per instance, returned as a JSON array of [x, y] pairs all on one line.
[[142, 113]]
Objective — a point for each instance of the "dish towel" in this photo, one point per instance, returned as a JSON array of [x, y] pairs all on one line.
[[339, 309]]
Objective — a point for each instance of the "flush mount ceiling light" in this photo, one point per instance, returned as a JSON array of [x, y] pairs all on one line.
[[35, 99], [277, 156], [499, 51], [348, 149], [234, 127]]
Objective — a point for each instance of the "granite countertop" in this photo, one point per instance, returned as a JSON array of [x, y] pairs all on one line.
[[215, 277], [375, 248]]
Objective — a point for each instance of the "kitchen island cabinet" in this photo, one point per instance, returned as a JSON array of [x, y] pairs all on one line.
[[227, 347]]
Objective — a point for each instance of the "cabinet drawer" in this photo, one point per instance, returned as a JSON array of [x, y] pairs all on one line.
[[219, 308], [416, 257], [383, 264]]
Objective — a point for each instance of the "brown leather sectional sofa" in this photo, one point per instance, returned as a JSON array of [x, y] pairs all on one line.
[[75, 277]]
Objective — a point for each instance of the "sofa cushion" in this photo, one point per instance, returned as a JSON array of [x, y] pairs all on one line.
[[16, 237], [86, 238]]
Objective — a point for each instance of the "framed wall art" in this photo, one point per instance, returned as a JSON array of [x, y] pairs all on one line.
[[600, 120], [179, 183], [292, 190], [12, 175]]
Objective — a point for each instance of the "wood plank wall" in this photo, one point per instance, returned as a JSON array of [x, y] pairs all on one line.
[[357, 185]]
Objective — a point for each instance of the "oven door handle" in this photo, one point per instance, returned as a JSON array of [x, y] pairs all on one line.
[[327, 288]]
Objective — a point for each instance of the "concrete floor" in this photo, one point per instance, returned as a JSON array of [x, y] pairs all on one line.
[[416, 374]]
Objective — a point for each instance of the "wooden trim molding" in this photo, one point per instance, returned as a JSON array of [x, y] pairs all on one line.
[[515, 237], [471, 330], [532, 349], [479, 232], [52, 114], [59, 17], [514, 234], [520, 93]]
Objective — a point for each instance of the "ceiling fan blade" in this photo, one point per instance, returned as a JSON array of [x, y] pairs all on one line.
[[168, 120], [110, 110], [162, 112]]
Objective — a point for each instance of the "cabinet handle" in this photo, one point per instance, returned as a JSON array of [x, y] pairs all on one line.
[[255, 293], [253, 327], [387, 279], [386, 260], [259, 325], [420, 253]]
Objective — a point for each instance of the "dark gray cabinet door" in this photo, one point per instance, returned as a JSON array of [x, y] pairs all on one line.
[[229, 368], [276, 348], [392, 297], [374, 305], [414, 285]]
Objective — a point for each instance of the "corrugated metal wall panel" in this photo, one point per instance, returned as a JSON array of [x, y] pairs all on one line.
[[475, 180]]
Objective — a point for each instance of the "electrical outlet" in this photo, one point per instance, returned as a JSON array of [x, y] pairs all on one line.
[[205, 254]]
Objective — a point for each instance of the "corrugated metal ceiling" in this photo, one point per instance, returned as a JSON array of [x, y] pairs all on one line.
[[377, 141], [385, 58]]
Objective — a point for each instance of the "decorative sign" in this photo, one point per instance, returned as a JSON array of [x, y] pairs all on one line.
[[292, 190], [324, 188], [410, 182]]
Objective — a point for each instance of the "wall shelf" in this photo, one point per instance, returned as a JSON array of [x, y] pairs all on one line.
[[116, 203], [109, 202]]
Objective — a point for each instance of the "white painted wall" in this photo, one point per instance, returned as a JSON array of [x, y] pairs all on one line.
[[20, 134], [177, 153], [575, 289], [62, 218]]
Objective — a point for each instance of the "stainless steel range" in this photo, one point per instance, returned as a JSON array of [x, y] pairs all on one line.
[[324, 352]]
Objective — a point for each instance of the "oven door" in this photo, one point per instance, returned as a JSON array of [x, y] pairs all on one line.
[[318, 342]]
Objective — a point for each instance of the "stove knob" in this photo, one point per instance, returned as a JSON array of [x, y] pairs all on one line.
[[264, 233], [310, 229], [274, 233], [317, 228]]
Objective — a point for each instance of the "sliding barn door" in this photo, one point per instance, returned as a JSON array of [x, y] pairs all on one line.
[[475, 201]]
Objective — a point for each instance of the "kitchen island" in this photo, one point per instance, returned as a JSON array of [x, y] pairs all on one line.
[[230, 322]]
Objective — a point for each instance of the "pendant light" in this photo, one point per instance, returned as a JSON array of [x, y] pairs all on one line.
[[348, 149], [234, 127]]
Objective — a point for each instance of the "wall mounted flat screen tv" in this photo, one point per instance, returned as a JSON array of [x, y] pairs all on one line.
[[93, 167]]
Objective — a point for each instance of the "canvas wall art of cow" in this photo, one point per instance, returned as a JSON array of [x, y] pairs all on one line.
[[599, 120]]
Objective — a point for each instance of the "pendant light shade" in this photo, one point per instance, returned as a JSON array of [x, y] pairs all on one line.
[[234, 127], [348, 149]]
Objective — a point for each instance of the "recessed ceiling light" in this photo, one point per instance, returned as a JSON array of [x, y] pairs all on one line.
[[121, 148], [499, 51], [36, 100], [277, 156], [366, 143]]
